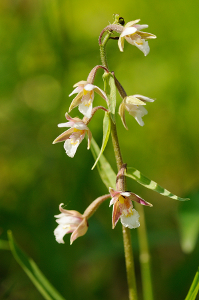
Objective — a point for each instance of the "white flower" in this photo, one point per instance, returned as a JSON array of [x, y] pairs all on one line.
[[74, 135], [70, 221], [134, 105], [123, 208], [131, 32], [85, 97]]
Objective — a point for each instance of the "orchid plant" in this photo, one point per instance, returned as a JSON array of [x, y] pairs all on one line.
[[73, 222]]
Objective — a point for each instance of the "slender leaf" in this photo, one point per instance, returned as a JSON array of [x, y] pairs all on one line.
[[105, 171], [193, 291], [106, 133], [150, 184], [110, 90], [33, 272]]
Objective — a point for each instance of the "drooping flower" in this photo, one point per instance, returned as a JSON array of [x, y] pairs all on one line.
[[85, 96], [74, 135], [134, 105], [132, 34], [123, 208], [70, 221]]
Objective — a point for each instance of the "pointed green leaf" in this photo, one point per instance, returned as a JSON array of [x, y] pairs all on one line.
[[194, 288], [150, 184], [106, 133], [110, 90], [33, 272], [105, 171]]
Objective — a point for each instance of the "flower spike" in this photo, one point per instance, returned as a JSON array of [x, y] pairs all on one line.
[[132, 34], [73, 136]]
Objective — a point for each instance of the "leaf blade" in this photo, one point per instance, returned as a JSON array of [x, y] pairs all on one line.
[[106, 173], [150, 184], [110, 90], [106, 133], [193, 291], [33, 272]]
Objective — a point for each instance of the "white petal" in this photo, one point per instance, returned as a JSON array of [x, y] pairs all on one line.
[[71, 147], [133, 100], [67, 124], [125, 194], [131, 23], [131, 221], [85, 109], [60, 232], [112, 201], [64, 219], [100, 92], [89, 87], [140, 112], [144, 98], [76, 90], [121, 43], [144, 47], [140, 27], [80, 126], [128, 31]]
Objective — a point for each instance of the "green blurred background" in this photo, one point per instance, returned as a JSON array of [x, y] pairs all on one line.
[[46, 47]]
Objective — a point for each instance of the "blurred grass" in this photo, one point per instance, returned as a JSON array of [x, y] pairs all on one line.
[[46, 47]]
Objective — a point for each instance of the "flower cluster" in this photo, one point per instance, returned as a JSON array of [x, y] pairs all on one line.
[[72, 221]]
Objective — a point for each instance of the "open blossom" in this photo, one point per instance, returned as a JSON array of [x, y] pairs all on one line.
[[132, 34], [74, 135], [85, 96], [134, 105], [70, 221], [123, 208]]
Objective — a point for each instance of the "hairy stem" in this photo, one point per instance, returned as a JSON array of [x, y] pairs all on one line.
[[128, 250], [121, 186], [144, 256]]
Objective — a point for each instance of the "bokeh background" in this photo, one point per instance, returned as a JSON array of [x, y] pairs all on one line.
[[46, 47]]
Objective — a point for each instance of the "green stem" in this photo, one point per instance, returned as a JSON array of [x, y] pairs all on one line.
[[102, 51], [128, 250], [118, 156], [144, 256], [117, 151], [103, 44]]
